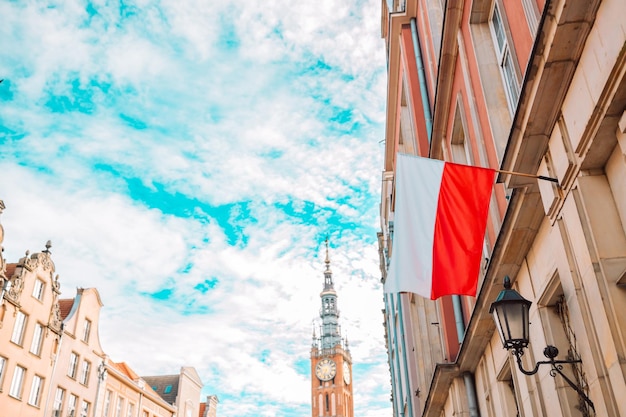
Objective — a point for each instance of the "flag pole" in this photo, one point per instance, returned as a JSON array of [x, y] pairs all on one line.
[[521, 174]]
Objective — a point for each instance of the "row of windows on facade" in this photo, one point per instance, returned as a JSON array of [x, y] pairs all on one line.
[[21, 321], [328, 406], [19, 373], [36, 389], [122, 409], [17, 337]]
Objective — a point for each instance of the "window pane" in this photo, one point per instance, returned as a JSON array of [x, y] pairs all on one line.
[[120, 406], [71, 406], [107, 403], [58, 401], [16, 383], [84, 373], [38, 289], [71, 371], [35, 390], [35, 346], [84, 409], [3, 364], [18, 328], [86, 330], [498, 28], [511, 80]]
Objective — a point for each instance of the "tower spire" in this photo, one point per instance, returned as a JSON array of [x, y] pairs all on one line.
[[330, 332], [328, 275]]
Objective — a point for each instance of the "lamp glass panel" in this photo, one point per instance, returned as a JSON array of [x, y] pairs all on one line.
[[496, 319], [514, 323]]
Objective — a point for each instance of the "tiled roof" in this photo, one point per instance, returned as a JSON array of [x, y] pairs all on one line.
[[65, 305], [165, 385], [10, 270], [202, 409], [125, 369]]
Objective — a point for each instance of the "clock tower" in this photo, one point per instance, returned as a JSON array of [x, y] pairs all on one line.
[[331, 363]]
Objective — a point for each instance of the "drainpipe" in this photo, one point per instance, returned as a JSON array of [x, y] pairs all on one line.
[[422, 79], [470, 389], [406, 361], [458, 317], [400, 398]]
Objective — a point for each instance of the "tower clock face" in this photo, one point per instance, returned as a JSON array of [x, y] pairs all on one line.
[[346, 373], [325, 369]]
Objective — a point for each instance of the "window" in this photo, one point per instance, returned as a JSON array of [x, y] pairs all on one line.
[[38, 289], [120, 407], [3, 366], [35, 391], [145, 413], [17, 382], [57, 406], [168, 389], [35, 346], [107, 403], [84, 409], [131, 410], [71, 405], [505, 60], [84, 372], [18, 329], [86, 330], [71, 371]]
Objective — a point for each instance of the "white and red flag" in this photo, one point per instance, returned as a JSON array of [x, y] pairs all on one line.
[[439, 225]]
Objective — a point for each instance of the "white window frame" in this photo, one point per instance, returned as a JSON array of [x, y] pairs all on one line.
[[73, 365], [107, 403], [17, 336], [84, 408], [17, 383], [3, 367], [35, 345], [505, 57], [130, 408], [84, 372], [71, 405], [120, 406], [35, 391], [57, 406], [86, 330], [38, 289]]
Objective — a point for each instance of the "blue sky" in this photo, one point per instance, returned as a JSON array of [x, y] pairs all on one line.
[[187, 158]]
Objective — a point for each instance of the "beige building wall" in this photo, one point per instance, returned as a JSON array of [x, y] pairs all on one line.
[[125, 394], [189, 391], [29, 333], [75, 377]]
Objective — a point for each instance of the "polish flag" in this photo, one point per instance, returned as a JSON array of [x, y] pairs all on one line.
[[439, 225]]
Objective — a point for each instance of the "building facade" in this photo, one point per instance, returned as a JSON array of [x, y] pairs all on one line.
[[51, 360], [535, 87], [331, 362]]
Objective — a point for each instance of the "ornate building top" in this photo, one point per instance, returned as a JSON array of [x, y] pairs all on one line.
[[330, 331]]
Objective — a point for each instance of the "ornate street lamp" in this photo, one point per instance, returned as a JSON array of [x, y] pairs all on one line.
[[510, 313]]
